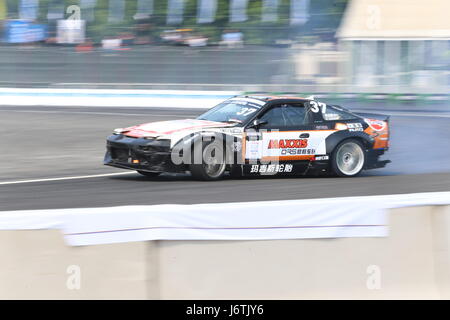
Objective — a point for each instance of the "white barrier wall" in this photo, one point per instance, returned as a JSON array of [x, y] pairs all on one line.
[[311, 269], [260, 220], [412, 262], [37, 264], [113, 97], [202, 99]]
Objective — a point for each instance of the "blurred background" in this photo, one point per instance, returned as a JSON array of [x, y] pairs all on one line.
[[346, 46]]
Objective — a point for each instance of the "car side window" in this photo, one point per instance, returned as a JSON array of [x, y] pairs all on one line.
[[285, 115], [273, 117], [332, 114], [296, 115]]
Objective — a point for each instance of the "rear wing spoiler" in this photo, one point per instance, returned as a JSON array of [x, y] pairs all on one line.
[[376, 116]]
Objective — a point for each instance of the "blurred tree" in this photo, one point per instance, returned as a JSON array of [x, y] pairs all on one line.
[[190, 12], [159, 12], [13, 9], [43, 10], [3, 9], [325, 18]]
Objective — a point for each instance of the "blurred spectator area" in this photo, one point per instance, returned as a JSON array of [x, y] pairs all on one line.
[[342, 45]]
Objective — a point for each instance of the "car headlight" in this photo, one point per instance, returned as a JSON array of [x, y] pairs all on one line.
[[119, 131]]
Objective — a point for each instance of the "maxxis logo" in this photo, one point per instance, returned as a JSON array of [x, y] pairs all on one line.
[[287, 143], [377, 125]]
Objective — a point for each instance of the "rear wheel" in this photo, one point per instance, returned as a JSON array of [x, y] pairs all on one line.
[[213, 164], [149, 174], [348, 158]]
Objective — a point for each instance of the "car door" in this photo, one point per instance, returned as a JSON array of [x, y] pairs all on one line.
[[288, 136]]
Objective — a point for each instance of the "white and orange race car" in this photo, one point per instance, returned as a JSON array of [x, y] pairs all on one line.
[[255, 135]]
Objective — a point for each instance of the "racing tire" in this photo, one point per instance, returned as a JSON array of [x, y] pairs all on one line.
[[149, 174], [212, 167], [348, 158]]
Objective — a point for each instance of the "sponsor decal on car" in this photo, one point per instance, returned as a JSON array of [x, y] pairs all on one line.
[[248, 101], [376, 125], [354, 127], [287, 143], [297, 151], [341, 126], [269, 168]]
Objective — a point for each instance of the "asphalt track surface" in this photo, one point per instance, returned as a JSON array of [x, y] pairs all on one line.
[[58, 142]]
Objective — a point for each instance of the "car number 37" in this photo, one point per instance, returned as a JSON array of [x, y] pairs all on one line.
[[317, 106], [246, 111]]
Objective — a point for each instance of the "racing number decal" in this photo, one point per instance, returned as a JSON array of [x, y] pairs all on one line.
[[246, 111], [317, 106]]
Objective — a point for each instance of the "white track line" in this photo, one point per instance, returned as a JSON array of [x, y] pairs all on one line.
[[67, 178]]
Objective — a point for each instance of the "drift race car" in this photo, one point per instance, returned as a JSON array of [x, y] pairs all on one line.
[[255, 135]]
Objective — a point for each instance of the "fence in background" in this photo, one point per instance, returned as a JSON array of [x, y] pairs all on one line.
[[321, 68]]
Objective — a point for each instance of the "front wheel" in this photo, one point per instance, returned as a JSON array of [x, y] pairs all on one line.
[[348, 158], [213, 164]]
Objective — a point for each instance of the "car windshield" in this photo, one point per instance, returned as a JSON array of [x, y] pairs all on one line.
[[233, 110]]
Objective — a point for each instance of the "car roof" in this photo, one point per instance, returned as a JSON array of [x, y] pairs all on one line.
[[266, 98]]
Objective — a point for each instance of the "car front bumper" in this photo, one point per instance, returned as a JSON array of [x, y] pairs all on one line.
[[150, 155]]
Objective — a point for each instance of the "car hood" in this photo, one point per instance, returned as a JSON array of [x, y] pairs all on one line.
[[167, 128]]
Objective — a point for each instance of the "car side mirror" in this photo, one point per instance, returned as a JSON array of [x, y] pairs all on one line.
[[257, 123]]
